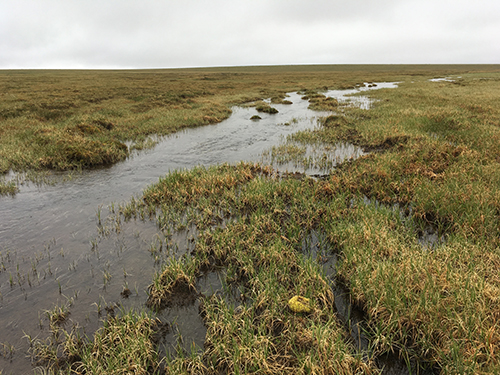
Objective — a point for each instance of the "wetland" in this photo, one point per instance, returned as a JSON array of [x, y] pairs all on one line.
[[150, 209]]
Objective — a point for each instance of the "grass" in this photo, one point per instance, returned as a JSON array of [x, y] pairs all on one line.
[[441, 301], [258, 251], [123, 345], [266, 108], [63, 120], [319, 102], [8, 187], [432, 161]]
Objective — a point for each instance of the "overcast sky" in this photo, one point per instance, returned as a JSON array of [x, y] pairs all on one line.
[[189, 33]]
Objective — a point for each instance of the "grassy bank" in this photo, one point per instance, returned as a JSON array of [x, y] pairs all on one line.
[[60, 120], [432, 162]]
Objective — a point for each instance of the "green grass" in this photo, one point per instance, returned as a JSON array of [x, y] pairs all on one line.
[[123, 345], [259, 253], [433, 161]]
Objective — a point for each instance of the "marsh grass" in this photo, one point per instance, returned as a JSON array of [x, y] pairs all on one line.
[[319, 102], [259, 252], [436, 156], [8, 187], [437, 306], [63, 120], [311, 155], [432, 160], [125, 344]]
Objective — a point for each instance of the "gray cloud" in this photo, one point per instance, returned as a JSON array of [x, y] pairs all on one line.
[[176, 33]]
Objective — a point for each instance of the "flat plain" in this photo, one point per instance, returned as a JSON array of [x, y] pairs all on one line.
[[431, 165]]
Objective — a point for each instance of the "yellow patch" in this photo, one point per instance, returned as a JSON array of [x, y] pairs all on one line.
[[300, 304]]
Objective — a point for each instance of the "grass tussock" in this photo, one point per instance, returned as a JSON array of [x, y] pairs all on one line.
[[124, 345], [319, 102], [257, 252], [265, 108]]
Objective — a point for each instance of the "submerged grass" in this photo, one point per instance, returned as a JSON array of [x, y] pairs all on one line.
[[8, 187], [433, 160]]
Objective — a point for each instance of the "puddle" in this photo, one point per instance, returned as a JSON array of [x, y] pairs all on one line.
[[428, 238], [363, 102], [186, 330], [50, 250], [446, 79], [317, 247], [315, 159]]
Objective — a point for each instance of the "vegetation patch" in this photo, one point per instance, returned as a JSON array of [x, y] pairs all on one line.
[[266, 108], [8, 187], [319, 102], [125, 344], [433, 160], [67, 149], [280, 100], [259, 252]]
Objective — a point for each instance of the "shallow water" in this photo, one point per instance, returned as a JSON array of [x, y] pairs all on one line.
[[50, 251], [364, 102], [447, 79]]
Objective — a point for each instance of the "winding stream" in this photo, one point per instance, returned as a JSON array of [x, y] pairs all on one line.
[[49, 254]]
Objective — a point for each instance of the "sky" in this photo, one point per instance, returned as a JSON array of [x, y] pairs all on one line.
[[123, 34]]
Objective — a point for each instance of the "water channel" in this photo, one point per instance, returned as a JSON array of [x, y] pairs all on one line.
[[50, 254]]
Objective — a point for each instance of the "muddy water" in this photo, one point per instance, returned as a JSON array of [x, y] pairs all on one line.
[[50, 251]]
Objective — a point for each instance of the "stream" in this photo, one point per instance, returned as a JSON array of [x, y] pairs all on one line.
[[50, 251]]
